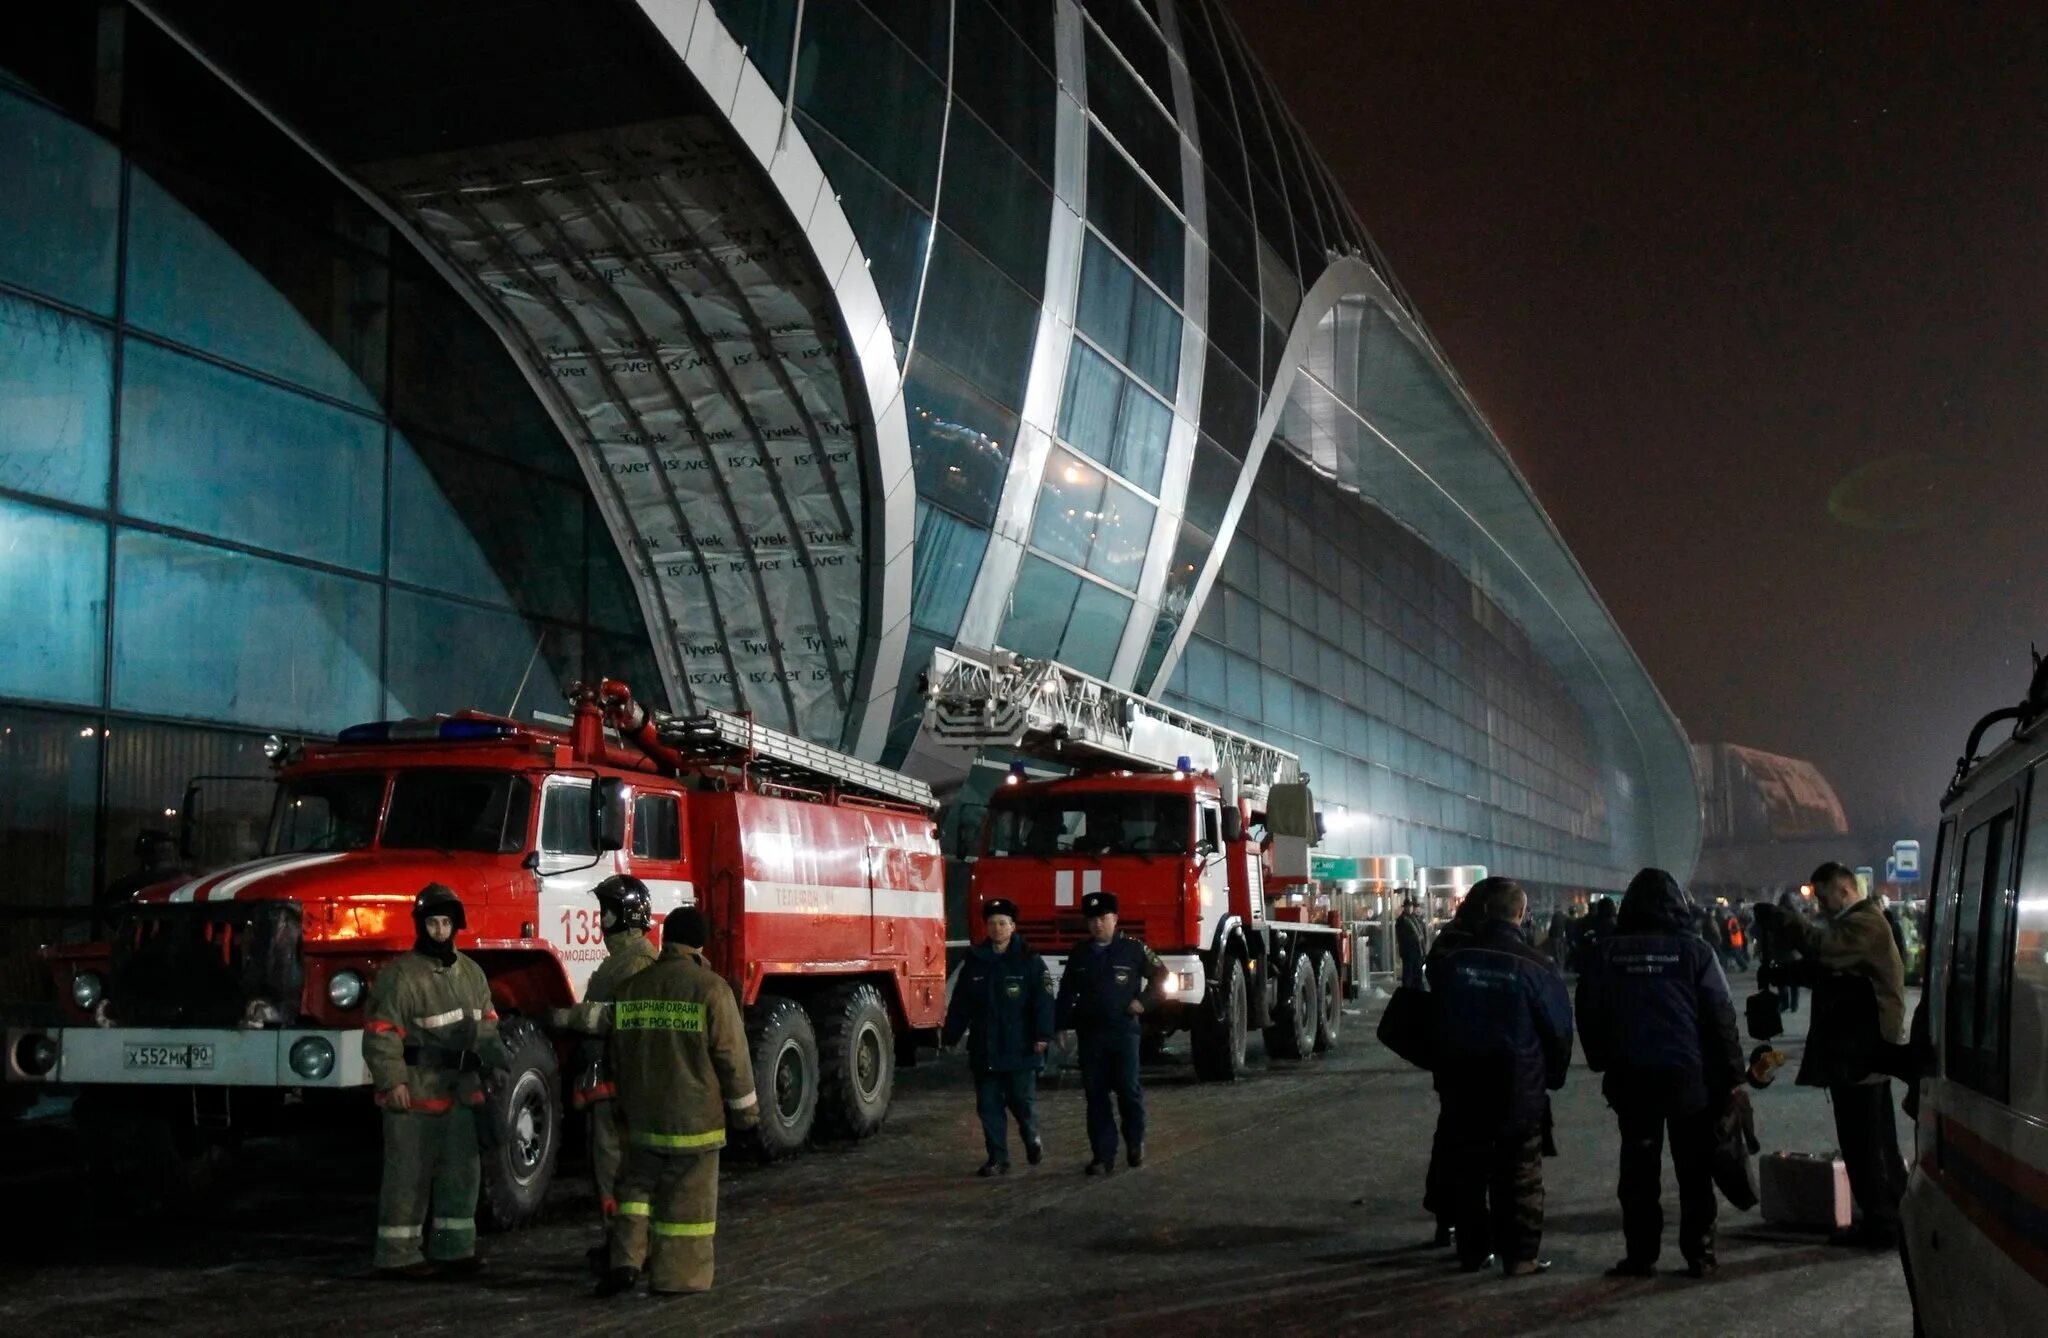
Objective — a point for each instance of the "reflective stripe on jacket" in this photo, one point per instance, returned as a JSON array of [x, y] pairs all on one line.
[[417, 1002], [678, 1055]]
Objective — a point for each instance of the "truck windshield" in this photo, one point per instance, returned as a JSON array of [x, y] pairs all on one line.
[[326, 813], [1091, 824], [483, 811]]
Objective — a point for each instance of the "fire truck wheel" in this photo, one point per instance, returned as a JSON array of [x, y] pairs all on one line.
[[524, 1108], [1331, 1014], [785, 1073], [857, 1052], [1293, 1033], [1218, 1042]]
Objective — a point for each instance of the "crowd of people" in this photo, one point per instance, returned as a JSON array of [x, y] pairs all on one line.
[[665, 1070]]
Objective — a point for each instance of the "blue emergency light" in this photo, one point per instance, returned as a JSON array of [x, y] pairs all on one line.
[[445, 729]]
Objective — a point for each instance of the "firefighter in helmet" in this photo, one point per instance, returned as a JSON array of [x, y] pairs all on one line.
[[429, 1036], [627, 912], [678, 1052]]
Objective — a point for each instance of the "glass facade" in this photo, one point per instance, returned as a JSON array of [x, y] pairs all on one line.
[[260, 471], [235, 398]]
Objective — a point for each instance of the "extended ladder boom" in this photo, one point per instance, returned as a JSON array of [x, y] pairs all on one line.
[[1045, 709]]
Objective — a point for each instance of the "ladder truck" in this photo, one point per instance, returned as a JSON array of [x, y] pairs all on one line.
[[1201, 832], [222, 1004]]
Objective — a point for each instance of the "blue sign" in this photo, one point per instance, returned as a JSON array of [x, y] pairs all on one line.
[[1904, 865]]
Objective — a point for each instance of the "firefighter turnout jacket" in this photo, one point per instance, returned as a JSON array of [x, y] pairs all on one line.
[[432, 1027], [678, 1053], [628, 953]]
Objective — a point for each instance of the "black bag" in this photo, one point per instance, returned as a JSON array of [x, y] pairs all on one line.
[[1735, 1149], [1408, 1025]]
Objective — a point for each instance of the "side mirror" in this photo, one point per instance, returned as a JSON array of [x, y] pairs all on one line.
[[188, 822], [967, 825], [1205, 849], [607, 813], [1233, 826], [1321, 830]]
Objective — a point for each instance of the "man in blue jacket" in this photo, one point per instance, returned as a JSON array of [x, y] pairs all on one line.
[[1656, 1018], [1503, 1041], [1108, 982], [1002, 1004]]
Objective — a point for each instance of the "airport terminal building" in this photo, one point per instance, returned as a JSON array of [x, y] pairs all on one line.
[[383, 359]]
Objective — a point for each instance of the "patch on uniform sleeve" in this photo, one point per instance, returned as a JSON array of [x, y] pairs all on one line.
[[657, 1015]]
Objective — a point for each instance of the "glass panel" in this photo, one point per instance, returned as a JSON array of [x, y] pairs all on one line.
[[893, 232], [976, 321], [921, 24], [960, 441], [1222, 153], [56, 402], [1109, 417], [948, 557], [1230, 405], [613, 602], [1092, 521], [1040, 602], [565, 819], [446, 656], [2029, 1057], [995, 202], [1133, 217], [1138, 41], [764, 28], [1128, 318], [60, 205], [1211, 480], [1032, 20], [53, 597], [308, 478], [255, 302], [1234, 320], [995, 74], [302, 653], [1095, 629], [864, 86], [1119, 101], [473, 527], [49, 786], [657, 827]]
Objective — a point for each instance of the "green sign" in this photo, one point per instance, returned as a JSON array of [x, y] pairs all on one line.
[[1332, 868]]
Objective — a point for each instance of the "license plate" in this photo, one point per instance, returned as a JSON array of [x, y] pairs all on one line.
[[138, 1056]]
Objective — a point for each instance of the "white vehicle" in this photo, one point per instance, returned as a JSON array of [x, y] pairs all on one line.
[[1976, 1208]]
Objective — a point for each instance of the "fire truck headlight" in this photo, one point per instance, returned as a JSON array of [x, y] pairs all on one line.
[[311, 1057], [87, 988], [35, 1055], [1170, 983], [345, 989]]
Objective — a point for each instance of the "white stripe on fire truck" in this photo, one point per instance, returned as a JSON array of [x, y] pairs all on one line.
[[229, 888], [190, 890], [767, 897]]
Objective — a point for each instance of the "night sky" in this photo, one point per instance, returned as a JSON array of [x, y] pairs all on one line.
[[1757, 297]]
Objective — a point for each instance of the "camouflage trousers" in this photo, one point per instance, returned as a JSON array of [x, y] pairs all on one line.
[[1492, 1177], [431, 1177]]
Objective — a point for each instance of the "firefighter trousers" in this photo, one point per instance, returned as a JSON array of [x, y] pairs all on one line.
[[1109, 1072], [667, 1218], [999, 1094], [607, 1151], [431, 1176]]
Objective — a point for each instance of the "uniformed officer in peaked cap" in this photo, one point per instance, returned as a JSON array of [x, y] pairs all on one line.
[[1109, 981], [1002, 1004]]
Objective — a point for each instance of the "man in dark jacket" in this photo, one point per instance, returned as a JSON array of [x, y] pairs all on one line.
[[1503, 1040], [1599, 924], [1108, 981], [1408, 943], [1002, 1004], [1463, 926], [1859, 1008], [1656, 1017]]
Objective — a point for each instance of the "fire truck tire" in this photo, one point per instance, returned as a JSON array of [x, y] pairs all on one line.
[[857, 1056], [1293, 1033], [1330, 989], [524, 1107], [785, 1054], [1218, 1041]]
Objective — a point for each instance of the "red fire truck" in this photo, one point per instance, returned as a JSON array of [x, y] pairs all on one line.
[[219, 1001], [1202, 833]]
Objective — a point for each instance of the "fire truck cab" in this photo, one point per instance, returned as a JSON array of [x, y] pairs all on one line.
[[219, 1001], [1202, 834]]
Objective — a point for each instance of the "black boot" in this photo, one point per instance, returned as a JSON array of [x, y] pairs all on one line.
[[989, 1168], [1135, 1155], [615, 1281], [1034, 1152]]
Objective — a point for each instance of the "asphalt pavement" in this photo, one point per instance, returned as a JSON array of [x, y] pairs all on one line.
[[1287, 1202]]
